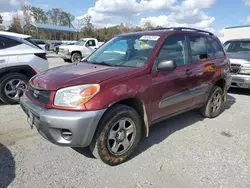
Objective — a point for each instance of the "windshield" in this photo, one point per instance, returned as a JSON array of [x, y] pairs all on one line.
[[237, 46], [80, 42], [128, 51]]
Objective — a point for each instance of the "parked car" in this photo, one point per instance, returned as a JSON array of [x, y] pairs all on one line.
[[40, 43], [238, 51], [56, 47], [82, 48], [135, 80], [20, 59]]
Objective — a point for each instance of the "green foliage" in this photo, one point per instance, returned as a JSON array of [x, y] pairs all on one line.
[[39, 15], [16, 25], [1, 19]]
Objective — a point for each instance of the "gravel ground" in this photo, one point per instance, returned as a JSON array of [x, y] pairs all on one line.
[[184, 151]]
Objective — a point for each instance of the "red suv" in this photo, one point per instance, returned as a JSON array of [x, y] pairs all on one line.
[[109, 100]]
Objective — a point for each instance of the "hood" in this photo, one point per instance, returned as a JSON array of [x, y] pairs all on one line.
[[71, 47], [76, 74], [243, 57]]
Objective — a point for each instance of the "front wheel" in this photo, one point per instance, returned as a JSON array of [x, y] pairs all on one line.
[[76, 57], [118, 135], [214, 104], [12, 87]]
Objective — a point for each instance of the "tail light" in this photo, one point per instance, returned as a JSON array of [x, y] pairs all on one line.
[[41, 55]]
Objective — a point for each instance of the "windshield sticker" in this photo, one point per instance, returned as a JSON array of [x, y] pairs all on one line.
[[148, 37]]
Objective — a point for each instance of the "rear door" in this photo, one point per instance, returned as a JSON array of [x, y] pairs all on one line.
[[205, 57], [203, 60], [170, 90]]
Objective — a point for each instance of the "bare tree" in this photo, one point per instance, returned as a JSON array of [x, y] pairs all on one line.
[[26, 13]]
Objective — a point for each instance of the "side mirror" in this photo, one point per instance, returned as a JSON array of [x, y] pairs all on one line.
[[87, 44], [166, 65]]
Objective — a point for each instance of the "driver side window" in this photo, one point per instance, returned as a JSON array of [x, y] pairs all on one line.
[[174, 48], [91, 43]]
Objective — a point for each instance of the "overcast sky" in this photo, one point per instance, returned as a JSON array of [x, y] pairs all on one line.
[[212, 15]]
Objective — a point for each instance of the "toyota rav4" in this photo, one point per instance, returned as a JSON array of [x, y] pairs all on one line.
[[109, 100]]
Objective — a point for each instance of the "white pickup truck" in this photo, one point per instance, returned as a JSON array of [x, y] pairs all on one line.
[[81, 49]]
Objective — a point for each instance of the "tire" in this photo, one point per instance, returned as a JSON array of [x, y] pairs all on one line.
[[103, 145], [67, 60], [76, 57], [8, 83], [207, 109]]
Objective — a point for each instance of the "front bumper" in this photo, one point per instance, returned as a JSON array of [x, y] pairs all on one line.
[[64, 55], [240, 81], [51, 124]]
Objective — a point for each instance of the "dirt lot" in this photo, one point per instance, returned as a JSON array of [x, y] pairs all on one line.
[[184, 151]]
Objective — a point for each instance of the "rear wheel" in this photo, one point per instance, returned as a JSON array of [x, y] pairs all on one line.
[[214, 104], [12, 87], [118, 135]]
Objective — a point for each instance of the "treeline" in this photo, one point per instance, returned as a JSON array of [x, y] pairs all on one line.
[[59, 17]]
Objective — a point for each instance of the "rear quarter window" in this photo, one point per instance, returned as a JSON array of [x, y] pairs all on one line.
[[215, 49], [8, 43]]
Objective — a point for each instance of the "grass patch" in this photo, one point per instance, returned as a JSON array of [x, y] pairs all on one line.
[[226, 133]]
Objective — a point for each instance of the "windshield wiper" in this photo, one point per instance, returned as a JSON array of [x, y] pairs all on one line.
[[103, 63]]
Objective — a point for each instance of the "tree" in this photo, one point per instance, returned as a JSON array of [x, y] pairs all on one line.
[[27, 13], [66, 19], [1, 23], [148, 26], [85, 27], [39, 15], [15, 24], [54, 15], [1, 19]]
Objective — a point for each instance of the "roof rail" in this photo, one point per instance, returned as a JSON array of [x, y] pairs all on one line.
[[184, 28]]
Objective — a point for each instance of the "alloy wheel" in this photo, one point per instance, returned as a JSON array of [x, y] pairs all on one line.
[[121, 136], [14, 88]]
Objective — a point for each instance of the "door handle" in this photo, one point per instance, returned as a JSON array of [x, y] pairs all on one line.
[[188, 72]]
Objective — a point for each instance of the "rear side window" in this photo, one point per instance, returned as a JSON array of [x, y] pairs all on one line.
[[174, 48], [30, 42], [198, 48], [8, 43], [215, 50]]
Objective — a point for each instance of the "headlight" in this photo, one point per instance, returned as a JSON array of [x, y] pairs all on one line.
[[245, 71], [76, 95]]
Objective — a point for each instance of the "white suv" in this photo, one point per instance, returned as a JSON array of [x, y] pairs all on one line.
[[20, 59]]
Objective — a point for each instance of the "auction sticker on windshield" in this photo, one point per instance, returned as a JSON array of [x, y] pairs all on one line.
[[149, 37]]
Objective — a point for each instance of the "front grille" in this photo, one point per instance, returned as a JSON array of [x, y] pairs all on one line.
[[61, 50], [235, 68], [41, 96]]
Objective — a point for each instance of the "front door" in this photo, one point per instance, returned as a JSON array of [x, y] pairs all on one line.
[[170, 90]]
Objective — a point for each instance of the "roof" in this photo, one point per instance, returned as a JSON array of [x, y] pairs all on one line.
[[54, 27], [146, 32], [161, 31], [87, 39], [6, 33], [243, 39], [235, 27]]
